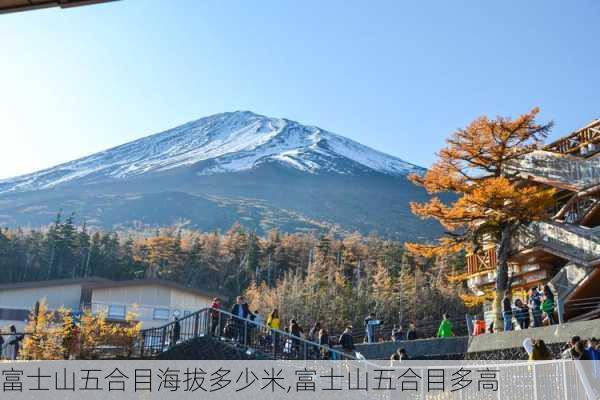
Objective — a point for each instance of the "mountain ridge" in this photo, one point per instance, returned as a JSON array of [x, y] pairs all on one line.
[[225, 142], [207, 174]]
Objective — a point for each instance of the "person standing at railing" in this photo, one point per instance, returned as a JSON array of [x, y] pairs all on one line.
[[578, 352], [537, 350], [175, 332], [288, 345], [346, 340], [548, 305], [590, 349], [313, 336], [10, 348], [566, 350], [411, 334], [522, 314], [313, 333], [254, 328], [371, 322], [535, 302], [215, 328], [257, 326], [397, 334], [445, 329], [324, 342], [274, 323], [507, 312], [296, 330], [478, 326], [240, 310]]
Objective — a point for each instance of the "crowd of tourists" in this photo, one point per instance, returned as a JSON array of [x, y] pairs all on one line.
[[251, 328], [535, 311], [575, 349]]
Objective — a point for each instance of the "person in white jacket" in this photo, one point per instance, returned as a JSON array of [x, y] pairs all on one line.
[[10, 348]]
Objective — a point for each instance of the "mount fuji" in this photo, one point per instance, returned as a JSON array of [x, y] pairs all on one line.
[[232, 167]]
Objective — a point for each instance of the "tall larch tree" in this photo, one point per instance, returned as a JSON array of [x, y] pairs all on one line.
[[489, 202]]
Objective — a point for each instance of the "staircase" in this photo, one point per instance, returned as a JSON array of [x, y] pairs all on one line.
[[577, 244], [249, 336], [555, 169], [564, 283], [568, 278]]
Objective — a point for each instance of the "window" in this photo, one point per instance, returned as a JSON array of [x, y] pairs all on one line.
[[161, 314], [186, 313], [14, 315], [116, 312]]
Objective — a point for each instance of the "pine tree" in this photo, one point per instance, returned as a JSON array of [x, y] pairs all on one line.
[[193, 266], [252, 256], [83, 251]]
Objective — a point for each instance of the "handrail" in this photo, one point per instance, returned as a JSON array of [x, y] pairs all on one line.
[[280, 332], [202, 323], [559, 170], [425, 330], [584, 245]]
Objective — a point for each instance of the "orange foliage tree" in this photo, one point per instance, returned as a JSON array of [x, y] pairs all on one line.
[[490, 203]]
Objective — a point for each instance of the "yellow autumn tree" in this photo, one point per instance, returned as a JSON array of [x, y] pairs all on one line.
[[43, 339], [489, 202], [162, 255], [57, 336], [93, 331], [125, 334]]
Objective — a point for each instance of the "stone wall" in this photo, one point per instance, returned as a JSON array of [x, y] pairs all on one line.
[[498, 346], [549, 334], [415, 348]]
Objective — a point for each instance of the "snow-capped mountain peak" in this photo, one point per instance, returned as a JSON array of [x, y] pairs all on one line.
[[227, 142]]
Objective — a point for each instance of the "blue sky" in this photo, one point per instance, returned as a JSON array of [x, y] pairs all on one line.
[[398, 76]]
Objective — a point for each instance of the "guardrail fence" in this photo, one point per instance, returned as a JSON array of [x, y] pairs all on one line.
[[236, 331]]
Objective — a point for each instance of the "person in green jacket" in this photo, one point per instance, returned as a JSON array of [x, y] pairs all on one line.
[[445, 329], [548, 305]]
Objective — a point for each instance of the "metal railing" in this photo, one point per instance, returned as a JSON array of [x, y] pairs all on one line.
[[578, 243], [240, 332], [253, 337], [584, 309], [576, 172], [551, 379], [425, 329]]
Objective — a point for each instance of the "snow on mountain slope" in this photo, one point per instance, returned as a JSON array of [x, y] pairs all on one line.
[[227, 142]]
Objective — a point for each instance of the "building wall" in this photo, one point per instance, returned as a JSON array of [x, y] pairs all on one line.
[[153, 305], [56, 297], [18, 302]]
